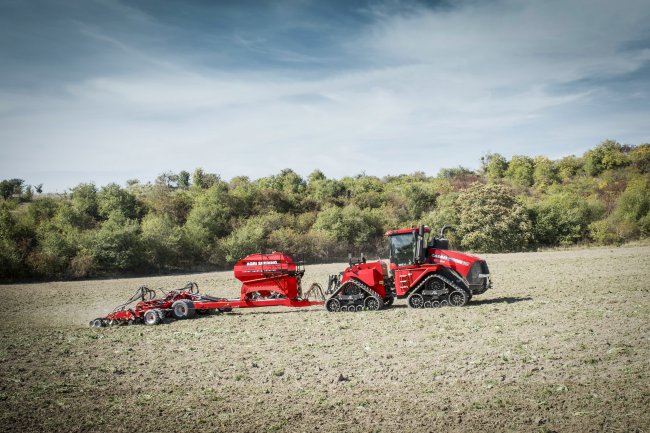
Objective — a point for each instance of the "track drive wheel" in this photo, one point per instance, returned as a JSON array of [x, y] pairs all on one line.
[[333, 305], [458, 298], [183, 309], [151, 317], [372, 303], [416, 301]]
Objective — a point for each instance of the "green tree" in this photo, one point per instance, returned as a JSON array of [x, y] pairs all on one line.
[[414, 199], [288, 181], [492, 219], [112, 198], [324, 190], [494, 166], [632, 209], [351, 225], [607, 155], [569, 167], [116, 245], [10, 256], [184, 179], [11, 187], [208, 220], [520, 171], [316, 176], [55, 247], [164, 200], [446, 212], [84, 200], [161, 241], [251, 236], [640, 158], [545, 172], [203, 180], [451, 173], [563, 218]]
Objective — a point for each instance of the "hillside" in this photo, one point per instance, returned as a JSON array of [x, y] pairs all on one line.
[[184, 222]]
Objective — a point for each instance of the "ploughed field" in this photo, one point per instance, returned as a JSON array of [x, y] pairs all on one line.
[[562, 343]]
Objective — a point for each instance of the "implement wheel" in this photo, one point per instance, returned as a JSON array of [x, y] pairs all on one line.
[[183, 309], [151, 317]]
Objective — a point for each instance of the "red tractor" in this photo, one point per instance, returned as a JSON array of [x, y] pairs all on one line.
[[427, 273], [362, 286]]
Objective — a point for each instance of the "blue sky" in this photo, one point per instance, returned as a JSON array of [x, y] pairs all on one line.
[[103, 90]]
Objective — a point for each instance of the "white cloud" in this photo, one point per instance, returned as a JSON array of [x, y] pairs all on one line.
[[448, 85]]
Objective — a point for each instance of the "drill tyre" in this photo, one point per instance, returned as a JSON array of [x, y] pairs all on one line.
[[183, 309], [151, 318]]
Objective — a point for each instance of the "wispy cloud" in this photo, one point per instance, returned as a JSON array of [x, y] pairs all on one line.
[[412, 88]]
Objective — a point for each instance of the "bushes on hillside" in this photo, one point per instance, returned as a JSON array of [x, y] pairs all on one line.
[[190, 222], [563, 218], [492, 219]]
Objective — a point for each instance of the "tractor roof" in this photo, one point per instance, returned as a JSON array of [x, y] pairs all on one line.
[[404, 231]]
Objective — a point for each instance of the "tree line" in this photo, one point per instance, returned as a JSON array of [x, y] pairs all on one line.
[[198, 221]]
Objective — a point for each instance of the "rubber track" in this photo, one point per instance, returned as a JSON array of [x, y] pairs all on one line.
[[440, 277], [363, 287]]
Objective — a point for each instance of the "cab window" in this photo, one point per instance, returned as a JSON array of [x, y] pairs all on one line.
[[401, 249]]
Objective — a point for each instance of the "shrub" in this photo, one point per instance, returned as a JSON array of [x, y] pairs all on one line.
[[244, 240], [492, 220], [603, 232], [82, 265], [161, 241], [520, 171], [116, 245], [607, 155], [207, 221], [563, 218], [350, 225], [494, 166], [114, 199]]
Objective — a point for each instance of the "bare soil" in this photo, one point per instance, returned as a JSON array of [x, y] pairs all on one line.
[[562, 343]]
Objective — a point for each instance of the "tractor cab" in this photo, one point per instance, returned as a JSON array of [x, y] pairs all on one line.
[[408, 246]]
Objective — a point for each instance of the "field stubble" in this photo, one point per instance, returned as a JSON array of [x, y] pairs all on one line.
[[560, 344]]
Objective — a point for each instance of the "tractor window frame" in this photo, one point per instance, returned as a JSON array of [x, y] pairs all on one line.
[[401, 248]]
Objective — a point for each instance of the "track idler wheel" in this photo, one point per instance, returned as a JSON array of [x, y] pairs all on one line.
[[152, 317], [458, 298], [372, 303], [183, 309], [416, 301], [333, 305]]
